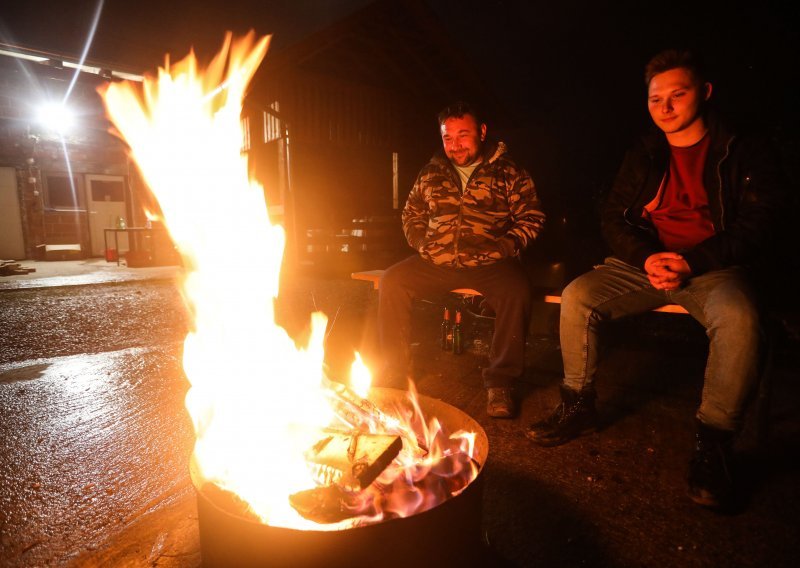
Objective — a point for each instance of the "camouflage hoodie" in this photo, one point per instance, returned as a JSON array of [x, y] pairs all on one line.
[[496, 215]]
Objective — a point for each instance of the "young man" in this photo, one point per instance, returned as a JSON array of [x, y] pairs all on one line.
[[469, 214], [692, 207]]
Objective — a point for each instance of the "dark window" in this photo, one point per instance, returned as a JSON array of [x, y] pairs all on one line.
[[63, 192], [107, 190]]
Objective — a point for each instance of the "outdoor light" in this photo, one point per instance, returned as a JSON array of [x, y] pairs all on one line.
[[56, 117]]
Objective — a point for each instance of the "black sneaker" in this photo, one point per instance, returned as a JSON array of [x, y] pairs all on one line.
[[575, 416], [710, 479]]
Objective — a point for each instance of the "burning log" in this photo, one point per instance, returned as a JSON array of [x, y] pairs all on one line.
[[324, 504], [353, 460], [358, 412], [344, 463]]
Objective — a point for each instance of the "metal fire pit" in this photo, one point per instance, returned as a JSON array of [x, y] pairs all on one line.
[[446, 535]]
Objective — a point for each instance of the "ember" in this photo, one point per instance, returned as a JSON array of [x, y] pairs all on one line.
[[334, 458]]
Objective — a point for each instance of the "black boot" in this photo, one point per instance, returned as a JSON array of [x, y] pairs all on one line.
[[575, 416], [710, 479]]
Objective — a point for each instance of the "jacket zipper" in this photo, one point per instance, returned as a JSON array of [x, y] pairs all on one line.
[[460, 212], [461, 208], [639, 194], [719, 179]]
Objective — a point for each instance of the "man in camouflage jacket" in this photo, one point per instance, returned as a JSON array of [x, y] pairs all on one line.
[[469, 214]]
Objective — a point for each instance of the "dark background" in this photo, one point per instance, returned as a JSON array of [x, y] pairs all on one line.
[[569, 97]]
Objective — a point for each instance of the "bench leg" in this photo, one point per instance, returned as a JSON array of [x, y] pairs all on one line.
[[764, 394]]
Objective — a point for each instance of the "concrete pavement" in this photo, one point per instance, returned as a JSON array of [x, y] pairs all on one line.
[[82, 272]]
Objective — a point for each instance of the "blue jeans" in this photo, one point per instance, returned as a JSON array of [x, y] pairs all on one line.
[[723, 301]]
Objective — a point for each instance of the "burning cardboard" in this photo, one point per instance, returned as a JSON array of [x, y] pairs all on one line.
[[353, 460]]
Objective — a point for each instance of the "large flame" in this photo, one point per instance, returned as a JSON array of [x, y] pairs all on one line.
[[258, 401]]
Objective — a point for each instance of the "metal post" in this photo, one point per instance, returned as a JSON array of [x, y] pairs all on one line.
[[290, 212]]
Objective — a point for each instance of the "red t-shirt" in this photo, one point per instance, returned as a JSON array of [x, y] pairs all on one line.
[[680, 210]]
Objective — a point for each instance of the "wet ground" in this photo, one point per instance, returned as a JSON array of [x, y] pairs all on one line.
[[94, 439]]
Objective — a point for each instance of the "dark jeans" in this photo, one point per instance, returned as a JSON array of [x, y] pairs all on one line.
[[505, 287]]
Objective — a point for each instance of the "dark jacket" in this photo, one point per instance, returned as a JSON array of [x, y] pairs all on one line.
[[745, 194], [496, 215]]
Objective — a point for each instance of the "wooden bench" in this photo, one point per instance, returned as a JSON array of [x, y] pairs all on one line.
[[669, 308], [374, 276]]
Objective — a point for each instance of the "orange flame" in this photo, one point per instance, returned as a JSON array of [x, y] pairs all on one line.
[[151, 216], [257, 400]]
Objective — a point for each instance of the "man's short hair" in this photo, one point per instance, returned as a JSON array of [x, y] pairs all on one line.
[[457, 110], [675, 59]]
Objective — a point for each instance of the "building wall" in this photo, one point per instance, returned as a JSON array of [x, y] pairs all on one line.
[[343, 139], [38, 154]]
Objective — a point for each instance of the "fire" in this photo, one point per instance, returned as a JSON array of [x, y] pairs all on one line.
[[151, 216], [360, 377], [257, 400]]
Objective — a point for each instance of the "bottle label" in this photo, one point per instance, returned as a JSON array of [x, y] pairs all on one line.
[[457, 345]]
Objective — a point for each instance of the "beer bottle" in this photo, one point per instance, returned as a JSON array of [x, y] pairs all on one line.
[[446, 339], [458, 346]]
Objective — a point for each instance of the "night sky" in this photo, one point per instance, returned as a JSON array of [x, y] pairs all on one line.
[[137, 33], [539, 55]]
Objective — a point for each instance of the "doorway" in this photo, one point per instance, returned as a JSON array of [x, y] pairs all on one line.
[[12, 241], [105, 201]]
